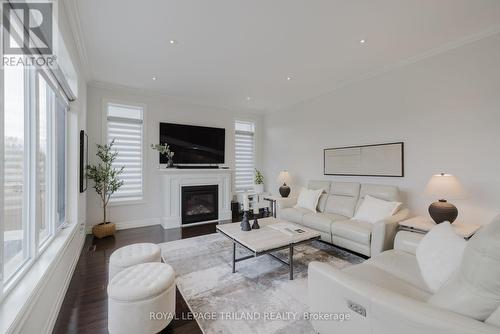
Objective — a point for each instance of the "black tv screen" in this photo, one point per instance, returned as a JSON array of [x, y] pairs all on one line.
[[193, 144]]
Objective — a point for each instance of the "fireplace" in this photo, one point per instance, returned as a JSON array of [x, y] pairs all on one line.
[[200, 203]]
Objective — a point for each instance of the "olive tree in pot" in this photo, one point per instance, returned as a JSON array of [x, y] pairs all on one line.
[[106, 183]]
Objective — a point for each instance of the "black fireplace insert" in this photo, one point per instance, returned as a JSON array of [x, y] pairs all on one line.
[[200, 203]]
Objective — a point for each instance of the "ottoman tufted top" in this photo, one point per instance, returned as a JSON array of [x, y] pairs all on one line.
[[134, 254], [142, 281]]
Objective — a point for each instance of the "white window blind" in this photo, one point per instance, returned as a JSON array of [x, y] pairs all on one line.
[[244, 155], [125, 127]]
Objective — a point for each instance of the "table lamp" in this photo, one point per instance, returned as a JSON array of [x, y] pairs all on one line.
[[284, 177], [444, 186]]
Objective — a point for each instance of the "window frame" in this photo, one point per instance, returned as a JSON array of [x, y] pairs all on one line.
[[104, 140], [53, 218], [255, 142], [31, 227]]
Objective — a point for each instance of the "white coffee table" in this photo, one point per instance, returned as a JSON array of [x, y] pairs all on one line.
[[271, 237]]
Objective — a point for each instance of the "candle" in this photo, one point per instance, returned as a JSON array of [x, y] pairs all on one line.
[[246, 206]]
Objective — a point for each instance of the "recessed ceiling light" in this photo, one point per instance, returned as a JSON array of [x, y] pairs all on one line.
[[172, 42], [288, 77], [362, 41], [153, 78], [248, 98]]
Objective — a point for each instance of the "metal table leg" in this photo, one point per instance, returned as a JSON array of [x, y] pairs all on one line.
[[234, 257], [290, 261]]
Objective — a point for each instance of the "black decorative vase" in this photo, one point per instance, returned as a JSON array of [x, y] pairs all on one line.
[[284, 190], [255, 225], [442, 211], [245, 224]]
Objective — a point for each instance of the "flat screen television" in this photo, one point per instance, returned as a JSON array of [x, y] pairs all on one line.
[[193, 144]]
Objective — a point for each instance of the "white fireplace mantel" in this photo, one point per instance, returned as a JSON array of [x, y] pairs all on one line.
[[173, 179]]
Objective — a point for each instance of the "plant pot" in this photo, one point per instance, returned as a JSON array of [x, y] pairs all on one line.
[[103, 230], [258, 188]]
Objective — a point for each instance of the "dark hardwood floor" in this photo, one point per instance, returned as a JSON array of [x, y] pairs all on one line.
[[85, 306]]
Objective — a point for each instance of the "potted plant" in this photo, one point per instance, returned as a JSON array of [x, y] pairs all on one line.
[[106, 183], [165, 149], [259, 182]]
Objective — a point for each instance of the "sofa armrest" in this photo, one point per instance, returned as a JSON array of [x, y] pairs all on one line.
[[286, 202], [283, 203], [384, 231], [331, 290]]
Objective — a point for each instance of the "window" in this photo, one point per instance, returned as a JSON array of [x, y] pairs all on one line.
[[15, 190], [125, 127], [244, 155], [33, 173]]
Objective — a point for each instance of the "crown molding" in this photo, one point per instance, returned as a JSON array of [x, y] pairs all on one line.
[[72, 11], [403, 63], [158, 94]]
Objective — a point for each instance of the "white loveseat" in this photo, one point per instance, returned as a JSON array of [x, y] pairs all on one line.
[[336, 207], [391, 297]]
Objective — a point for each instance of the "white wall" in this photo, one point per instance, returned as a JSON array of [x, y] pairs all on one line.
[[158, 109], [446, 109]]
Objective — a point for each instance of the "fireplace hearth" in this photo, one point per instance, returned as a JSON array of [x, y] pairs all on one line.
[[200, 203]]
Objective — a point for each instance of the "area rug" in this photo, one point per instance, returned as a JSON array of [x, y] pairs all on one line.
[[259, 297]]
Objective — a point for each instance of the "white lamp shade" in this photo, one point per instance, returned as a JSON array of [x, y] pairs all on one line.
[[444, 186], [284, 177]]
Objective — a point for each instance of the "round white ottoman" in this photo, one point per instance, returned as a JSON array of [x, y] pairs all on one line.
[[141, 299], [131, 255]]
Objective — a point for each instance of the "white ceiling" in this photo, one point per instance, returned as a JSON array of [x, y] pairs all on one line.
[[229, 49]]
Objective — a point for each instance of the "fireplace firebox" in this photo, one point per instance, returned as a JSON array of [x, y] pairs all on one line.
[[200, 203]]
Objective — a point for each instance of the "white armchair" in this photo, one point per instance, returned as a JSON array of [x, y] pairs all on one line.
[[387, 312], [387, 294]]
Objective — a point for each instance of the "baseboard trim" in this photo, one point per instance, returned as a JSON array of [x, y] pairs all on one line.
[[123, 225]]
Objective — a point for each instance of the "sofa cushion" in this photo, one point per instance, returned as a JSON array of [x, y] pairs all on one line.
[[341, 205], [384, 279], [475, 290], [402, 265], [354, 230], [387, 193], [343, 198], [494, 318], [350, 189], [293, 214], [320, 221], [319, 184]]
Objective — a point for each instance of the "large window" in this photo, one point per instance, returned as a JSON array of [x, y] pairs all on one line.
[[33, 169], [125, 127], [15, 173], [244, 155]]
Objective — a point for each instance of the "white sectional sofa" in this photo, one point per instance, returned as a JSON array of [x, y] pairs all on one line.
[[336, 207], [387, 294]]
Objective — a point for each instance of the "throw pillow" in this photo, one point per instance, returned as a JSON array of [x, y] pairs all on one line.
[[439, 254], [308, 199], [373, 209], [475, 289]]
